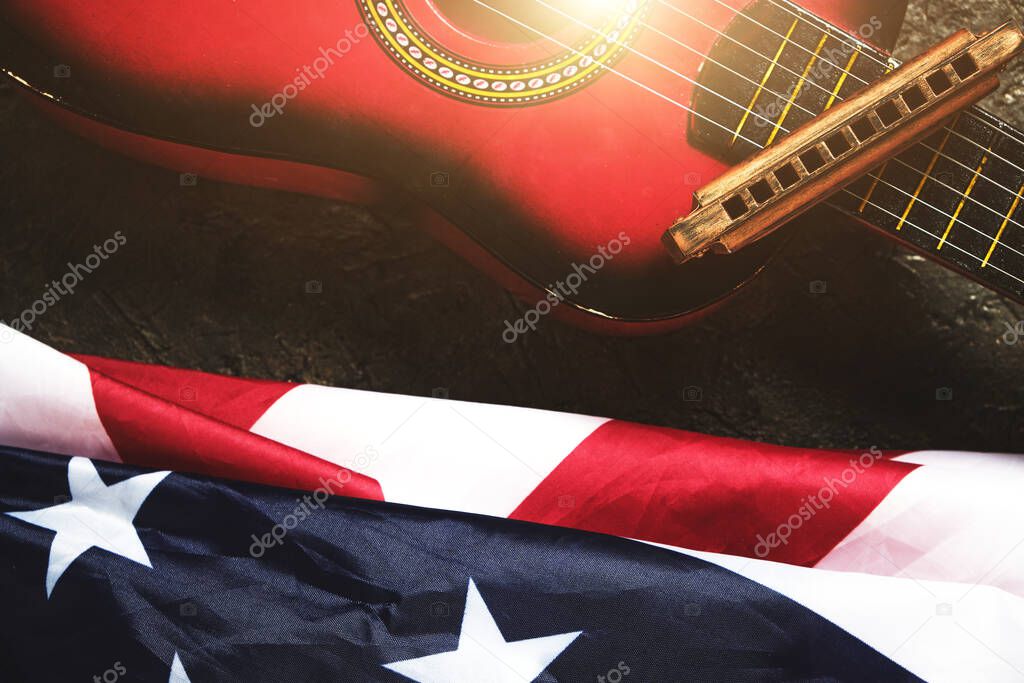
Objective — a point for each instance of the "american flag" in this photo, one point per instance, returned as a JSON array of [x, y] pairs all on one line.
[[160, 524]]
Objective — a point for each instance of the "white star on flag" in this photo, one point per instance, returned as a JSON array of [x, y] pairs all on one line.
[[97, 516], [178, 674], [483, 655]]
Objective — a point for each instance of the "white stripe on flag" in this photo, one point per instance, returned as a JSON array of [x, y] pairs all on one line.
[[959, 517], [939, 631], [46, 403], [468, 457]]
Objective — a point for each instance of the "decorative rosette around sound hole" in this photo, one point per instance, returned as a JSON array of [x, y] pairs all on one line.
[[499, 85]]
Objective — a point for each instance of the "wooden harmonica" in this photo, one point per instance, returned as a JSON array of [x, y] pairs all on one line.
[[836, 148]]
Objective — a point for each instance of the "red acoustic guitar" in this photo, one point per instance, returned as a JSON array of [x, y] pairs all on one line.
[[551, 142]]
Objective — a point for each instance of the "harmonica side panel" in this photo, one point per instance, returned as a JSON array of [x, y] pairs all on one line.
[[834, 149]]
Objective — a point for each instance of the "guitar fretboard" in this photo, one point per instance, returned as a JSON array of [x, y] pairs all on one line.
[[957, 196]]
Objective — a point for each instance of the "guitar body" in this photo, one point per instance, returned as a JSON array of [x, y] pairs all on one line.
[[526, 156]]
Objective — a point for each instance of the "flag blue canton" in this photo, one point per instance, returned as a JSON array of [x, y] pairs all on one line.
[[112, 572]]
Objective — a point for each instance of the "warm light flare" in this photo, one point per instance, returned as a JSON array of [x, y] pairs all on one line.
[[590, 10]]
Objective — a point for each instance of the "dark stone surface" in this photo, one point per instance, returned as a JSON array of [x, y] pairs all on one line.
[[214, 277]]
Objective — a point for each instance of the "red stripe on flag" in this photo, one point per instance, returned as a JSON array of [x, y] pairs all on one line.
[[236, 401], [713, 494], [149, 431]]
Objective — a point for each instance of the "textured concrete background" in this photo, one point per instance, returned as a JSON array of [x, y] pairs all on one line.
[[214, 277]]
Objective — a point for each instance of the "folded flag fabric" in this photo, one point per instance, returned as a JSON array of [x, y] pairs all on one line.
[[917, 555], [157, 576]]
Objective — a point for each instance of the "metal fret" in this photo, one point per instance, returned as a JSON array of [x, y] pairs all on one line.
[[879, 174], [963, 201], [842, 79], [796, 90], [767, 74], [973, 228], [952, 186], [1006, 221], [988, 226], [960, 190], [783, 85], [926, 176]]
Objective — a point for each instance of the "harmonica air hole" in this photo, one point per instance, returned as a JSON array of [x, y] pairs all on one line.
[[939, 82], [965, 66], [812, 160], [735, 207], [761, 191], [914, 98], [889, 113], [755, 197], [787, 176], [863, 129], [838, 145]]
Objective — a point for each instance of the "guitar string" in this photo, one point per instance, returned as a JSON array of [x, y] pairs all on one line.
[[806, 21], [868, 55], [922, 173], [765, 57], [913, 197], [989, 151], [739, 13], [691, 111], [667, 68], [624, 76], [719, 64], [739, 43], [756, 145], [786, 8], [1012, 194]]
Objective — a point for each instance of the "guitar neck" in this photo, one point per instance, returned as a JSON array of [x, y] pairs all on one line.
[[957, 196]]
